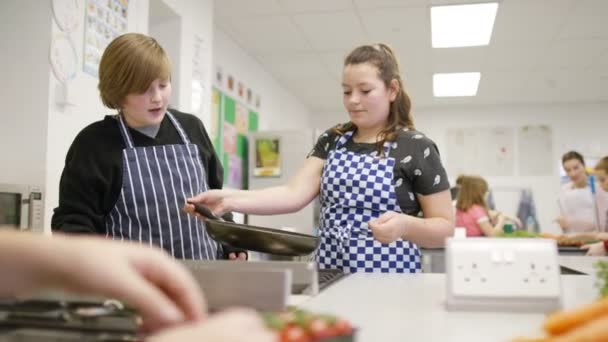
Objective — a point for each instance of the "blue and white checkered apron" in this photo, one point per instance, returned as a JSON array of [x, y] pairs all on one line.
[[156, 181], [355, 189]]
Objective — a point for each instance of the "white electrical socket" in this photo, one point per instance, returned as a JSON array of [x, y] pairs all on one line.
[[503, 274]]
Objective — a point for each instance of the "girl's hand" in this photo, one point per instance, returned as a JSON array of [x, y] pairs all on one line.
[[595, 249], [562, 221], [389, 227], [215, 200]]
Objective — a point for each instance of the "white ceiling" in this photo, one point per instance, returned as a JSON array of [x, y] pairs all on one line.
[[541, 51]]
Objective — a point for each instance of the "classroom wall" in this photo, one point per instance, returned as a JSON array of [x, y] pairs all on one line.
[[581, 127], [279, 109], [24, 67]]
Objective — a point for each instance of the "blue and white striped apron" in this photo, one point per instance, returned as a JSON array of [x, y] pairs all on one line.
[[355, 189], [156, 181]]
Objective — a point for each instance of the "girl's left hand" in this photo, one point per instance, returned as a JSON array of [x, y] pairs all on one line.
[[389, 227], [595, 249]]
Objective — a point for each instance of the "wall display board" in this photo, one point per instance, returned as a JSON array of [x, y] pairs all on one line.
[[105, 20], [232, 120], [487, 151], [535, 151]]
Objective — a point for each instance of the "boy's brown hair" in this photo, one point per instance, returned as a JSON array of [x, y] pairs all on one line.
[[129, 65]]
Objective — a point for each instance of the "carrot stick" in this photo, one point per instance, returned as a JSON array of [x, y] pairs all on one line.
[[592, 331], [561, 322]]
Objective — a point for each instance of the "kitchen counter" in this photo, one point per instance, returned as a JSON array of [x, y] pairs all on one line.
[[433, 260], [581, 264], [393, 307]]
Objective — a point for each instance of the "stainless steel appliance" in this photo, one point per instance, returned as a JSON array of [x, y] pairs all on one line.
[[21, 207]]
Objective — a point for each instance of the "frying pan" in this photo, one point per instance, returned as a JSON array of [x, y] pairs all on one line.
[[259, 239]]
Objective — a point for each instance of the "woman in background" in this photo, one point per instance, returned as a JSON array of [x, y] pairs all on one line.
[[472, 211], [576, 202]]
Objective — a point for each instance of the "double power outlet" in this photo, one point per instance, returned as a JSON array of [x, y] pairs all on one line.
[[503, 274]]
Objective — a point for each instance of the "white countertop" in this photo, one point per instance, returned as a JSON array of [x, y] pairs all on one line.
[[583, 264], [392, 307]]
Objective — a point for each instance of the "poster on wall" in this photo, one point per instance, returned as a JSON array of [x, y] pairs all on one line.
[[63, 57], [234, 121], [242, 119], [66, 14], [235, 172], [487, 151], [267, 157], [105, 20], [535, 151], [229, 138]]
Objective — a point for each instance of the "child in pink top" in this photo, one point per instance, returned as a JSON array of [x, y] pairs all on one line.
[[472, 211]]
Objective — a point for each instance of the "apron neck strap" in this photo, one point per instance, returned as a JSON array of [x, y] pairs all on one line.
[[348, 135], [128, 139]]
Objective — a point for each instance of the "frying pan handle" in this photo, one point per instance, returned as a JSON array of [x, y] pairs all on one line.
[[205, 212]]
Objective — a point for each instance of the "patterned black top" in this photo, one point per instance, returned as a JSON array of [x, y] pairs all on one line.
[[418, 168]]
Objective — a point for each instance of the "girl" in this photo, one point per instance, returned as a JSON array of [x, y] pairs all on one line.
[[600, 248], [128, 175], [576, 203], [472, 210], [374, 175]]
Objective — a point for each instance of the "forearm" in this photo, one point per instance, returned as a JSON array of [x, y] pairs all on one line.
[[428, 232], [27, 262], [576, 225], [269, 201]]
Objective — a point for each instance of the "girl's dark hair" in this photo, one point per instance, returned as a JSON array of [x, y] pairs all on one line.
[[573, 155], [383, 58]]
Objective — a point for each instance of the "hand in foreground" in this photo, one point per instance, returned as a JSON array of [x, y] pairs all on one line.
[[233, 325], [595, 249], [240, 256], [389, 227], [146, 278]]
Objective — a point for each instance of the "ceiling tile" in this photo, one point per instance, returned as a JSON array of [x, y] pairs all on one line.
[[513, 56], [268, 33], [587, 20], [529, 20], [572, 54], [233, 8], [395, 26], [567, 86], [299, 6], [332, 30], [501, 87], [390, 3]]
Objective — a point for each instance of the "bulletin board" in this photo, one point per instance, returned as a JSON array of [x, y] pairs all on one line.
[[487, 151], [535, 151], [105, 20], [232, 121]]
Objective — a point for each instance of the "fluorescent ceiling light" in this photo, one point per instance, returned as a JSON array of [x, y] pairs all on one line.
[[462, 25], [456, 84]]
